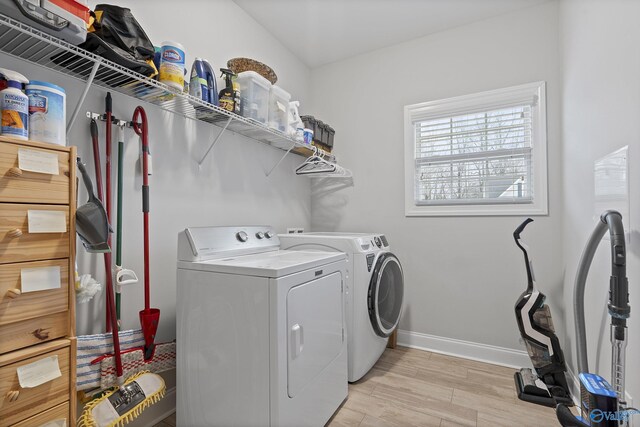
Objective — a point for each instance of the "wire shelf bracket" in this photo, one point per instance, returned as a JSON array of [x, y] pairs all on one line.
[[281, 159], [215, 140], [87, 86]]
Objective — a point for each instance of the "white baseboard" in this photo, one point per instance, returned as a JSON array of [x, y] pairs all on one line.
[[466, 349]]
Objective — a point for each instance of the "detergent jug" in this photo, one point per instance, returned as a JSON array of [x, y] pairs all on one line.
[[203, 82]]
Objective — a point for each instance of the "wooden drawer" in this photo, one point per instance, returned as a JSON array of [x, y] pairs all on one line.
[[33, 331], [33, 401], [32, 187], [29, 246], [59, 413], [15, 307]]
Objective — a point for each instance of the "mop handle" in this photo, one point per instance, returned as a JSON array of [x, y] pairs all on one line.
[[114, 329], [119, 207], [96, 163], [96, 157], [140, 127], [107, 163], [107, 166]]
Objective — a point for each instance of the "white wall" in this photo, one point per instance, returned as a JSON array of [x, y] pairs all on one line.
[[462, 274], [600, 113], [229, 189]]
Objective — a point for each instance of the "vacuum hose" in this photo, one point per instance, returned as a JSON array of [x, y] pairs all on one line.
[[619, 309]]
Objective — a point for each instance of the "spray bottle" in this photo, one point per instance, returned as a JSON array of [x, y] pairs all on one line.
[[230, 96], [14, 106], [296, 127]]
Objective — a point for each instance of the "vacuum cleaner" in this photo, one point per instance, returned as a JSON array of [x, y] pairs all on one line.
[[548, 385], [602, 405]]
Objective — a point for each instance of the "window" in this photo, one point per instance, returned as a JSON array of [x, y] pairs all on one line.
[[481, 154]]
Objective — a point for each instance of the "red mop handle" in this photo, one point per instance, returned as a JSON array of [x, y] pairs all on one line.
[[107, 194], [96, 164], [107, 163], [96, 157], [141, 128]]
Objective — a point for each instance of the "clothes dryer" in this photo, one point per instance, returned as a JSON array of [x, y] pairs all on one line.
[[374, 290], [260, 331]]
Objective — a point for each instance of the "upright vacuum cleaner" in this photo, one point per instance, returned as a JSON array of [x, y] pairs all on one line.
[[602, 405], [548, 385]]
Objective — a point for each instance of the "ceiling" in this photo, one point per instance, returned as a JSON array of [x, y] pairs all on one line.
[[323, 31]]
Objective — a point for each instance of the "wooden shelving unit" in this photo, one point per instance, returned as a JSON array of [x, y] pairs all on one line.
[[37, 315]]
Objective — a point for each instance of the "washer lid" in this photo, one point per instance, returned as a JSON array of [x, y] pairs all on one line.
[[267, 264]]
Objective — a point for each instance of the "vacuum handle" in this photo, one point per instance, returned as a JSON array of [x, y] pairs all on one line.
[[567, 419], [520, 229]]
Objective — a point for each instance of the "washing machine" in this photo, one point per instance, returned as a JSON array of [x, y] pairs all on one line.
[[374, 290], [260, 330]]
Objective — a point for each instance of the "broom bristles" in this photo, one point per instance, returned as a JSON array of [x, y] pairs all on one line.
[[87, 420]]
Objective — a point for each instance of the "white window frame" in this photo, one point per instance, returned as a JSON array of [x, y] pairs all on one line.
[[483, 101]]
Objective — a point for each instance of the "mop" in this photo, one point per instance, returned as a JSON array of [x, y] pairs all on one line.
[[131, 396], [127, 401]]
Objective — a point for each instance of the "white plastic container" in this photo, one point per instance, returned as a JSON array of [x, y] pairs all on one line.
[[47, 113], [254, 95], [279, 109], [171, 70]]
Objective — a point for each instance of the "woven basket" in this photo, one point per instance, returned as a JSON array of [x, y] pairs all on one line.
[[238, 65]]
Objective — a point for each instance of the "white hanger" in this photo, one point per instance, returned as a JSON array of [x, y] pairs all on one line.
[[316, 166]]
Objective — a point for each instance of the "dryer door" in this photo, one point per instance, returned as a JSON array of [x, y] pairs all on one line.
[[386, 291], [314, 329]]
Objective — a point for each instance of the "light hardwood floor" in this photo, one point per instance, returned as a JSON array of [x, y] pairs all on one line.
[[410, 387]]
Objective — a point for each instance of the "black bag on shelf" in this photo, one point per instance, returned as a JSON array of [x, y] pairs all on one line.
[[116, 35]]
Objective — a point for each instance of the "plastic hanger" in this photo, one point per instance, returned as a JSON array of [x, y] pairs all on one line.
[[316, 164]]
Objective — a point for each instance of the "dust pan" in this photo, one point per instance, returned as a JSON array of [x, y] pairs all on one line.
[[92, 224]]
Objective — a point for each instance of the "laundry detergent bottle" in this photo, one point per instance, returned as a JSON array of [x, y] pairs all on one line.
[[203, 82], [14, 106]]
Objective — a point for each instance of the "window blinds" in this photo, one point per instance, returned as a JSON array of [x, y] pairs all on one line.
[[475, 158]]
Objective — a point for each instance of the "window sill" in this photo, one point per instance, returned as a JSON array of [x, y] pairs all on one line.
[[477, 210]]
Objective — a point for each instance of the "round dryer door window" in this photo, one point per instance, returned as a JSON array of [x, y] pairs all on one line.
[[386, 292]]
